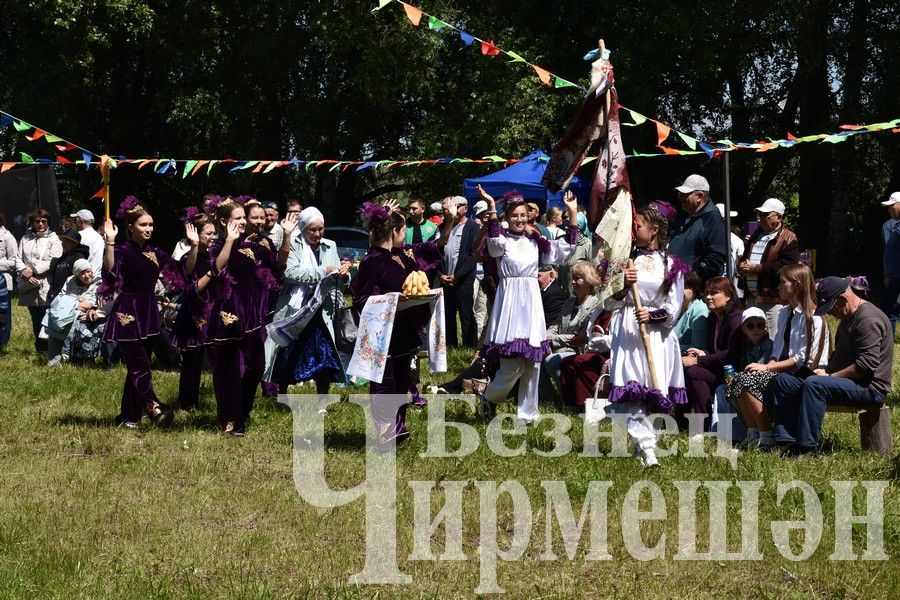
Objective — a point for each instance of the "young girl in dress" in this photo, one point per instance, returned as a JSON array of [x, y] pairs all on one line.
[[660, 283], [383, 270], [131, 270], [801, 346], [516, 333]]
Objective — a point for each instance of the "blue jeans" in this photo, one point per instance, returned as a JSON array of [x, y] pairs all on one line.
[[799, 405], [5, 317]]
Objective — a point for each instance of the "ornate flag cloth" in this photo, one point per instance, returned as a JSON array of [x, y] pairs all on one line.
[[284, 331], [376, 323], [614, 232]]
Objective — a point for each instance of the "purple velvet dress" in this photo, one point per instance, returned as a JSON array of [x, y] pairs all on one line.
[[192, 322], [242, 293], [380, 272], [135, 313]]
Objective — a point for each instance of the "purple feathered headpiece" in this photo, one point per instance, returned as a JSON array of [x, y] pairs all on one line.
[[129, 205], [247, 201], [212, 205], [666, 210], [511, 199], [191, 214], [374, 212]]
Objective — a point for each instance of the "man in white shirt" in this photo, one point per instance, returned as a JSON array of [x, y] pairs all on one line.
[[84, 223]]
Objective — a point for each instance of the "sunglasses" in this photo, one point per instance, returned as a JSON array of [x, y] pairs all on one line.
[[755, 325]]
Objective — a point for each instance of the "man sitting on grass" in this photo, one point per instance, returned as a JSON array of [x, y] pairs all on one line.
[[858, 373]]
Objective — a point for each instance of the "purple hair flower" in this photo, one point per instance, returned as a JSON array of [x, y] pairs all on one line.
[[666, 210], [190, 214], [212, 205], [372, 212], [129, 204]]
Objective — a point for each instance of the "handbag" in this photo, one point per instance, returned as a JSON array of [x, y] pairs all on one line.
[[346, 324]]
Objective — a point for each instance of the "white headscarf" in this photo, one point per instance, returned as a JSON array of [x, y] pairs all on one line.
[[307, 217]]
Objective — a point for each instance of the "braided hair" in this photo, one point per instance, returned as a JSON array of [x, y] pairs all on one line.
[[653, 214]]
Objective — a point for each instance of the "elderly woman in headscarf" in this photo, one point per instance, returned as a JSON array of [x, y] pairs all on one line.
[[583, 251], [313, 354]]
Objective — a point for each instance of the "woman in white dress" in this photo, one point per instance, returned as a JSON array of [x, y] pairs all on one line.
[[660, 282], [516, 332]]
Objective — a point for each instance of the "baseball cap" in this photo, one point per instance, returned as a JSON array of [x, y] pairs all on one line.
[[459, 200], [270, 204], [545, 268], [771, 205], [72, 235], [894, 199], [533, 205], [84, 214], [753, 313], [435, 207], [694, 183], [721, 208], [827, 292], [480, 207]]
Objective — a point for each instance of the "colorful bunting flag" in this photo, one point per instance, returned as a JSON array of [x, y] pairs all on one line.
[[662, 132], [466, 38], [489, 49], [381, 4], [543, 74], [435, 23], [413, 14]]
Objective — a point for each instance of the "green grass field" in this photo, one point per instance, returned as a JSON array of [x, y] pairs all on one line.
[[91, 511]]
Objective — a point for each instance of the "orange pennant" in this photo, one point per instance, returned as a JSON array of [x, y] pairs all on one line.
[[199, 164], [260, 166], [543, 74], [38, 134], [63, 160], [662, 132], [6, 166], [669, 150], [790, 137], [413, 13], [144, 164], [101, 193], [65, 147]]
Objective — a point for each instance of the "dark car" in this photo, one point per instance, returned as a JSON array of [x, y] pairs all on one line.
[[352, 242]]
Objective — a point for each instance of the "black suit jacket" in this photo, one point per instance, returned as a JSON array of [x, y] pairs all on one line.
[[553, 299], [465, 264]]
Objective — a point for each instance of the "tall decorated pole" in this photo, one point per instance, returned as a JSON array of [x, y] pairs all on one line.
[[611, 209], [105, 162]]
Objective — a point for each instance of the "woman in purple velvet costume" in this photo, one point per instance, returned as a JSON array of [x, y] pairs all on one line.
[[383, 270], [516, 333], [131, 270], [244, 274], [189, 332]]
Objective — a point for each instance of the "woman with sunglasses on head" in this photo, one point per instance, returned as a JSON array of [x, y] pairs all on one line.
[[801, 346], [37, 248], [516, 333], [130, 272]]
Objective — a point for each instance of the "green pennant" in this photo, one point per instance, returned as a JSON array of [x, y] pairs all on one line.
[[691, 142], [494, 158], [21, 126], [188, 167], [53, 139], [639, 119], [271, 166], [26, 158], [250, 164], [210, 166], [336, 165], [836, 139], [559, 82], [515, 57], [435, 23], [381, 4]]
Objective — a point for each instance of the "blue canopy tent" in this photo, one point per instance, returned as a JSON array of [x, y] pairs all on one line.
[[525, 176]]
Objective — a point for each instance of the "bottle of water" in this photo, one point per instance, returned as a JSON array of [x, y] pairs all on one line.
[[729, 374]]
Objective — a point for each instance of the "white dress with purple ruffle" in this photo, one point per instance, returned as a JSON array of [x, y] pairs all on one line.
[[516, 328], [630, 375]]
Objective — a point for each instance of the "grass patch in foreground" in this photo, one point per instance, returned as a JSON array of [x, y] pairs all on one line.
[[87, 510]]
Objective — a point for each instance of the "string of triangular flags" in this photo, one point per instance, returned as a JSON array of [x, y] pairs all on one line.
[[416, 16], [190, 167]]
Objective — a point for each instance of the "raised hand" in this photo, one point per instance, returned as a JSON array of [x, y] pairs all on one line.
[[191, 233], [486, 197], [571, 203], [392, 204], [110, 231], [233, 231], [289, 223]]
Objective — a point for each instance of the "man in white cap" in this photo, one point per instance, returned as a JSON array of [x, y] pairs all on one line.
[[737, 245], [698, 237], [456, 272], [84, 223], [771, 247], [890, 236]]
